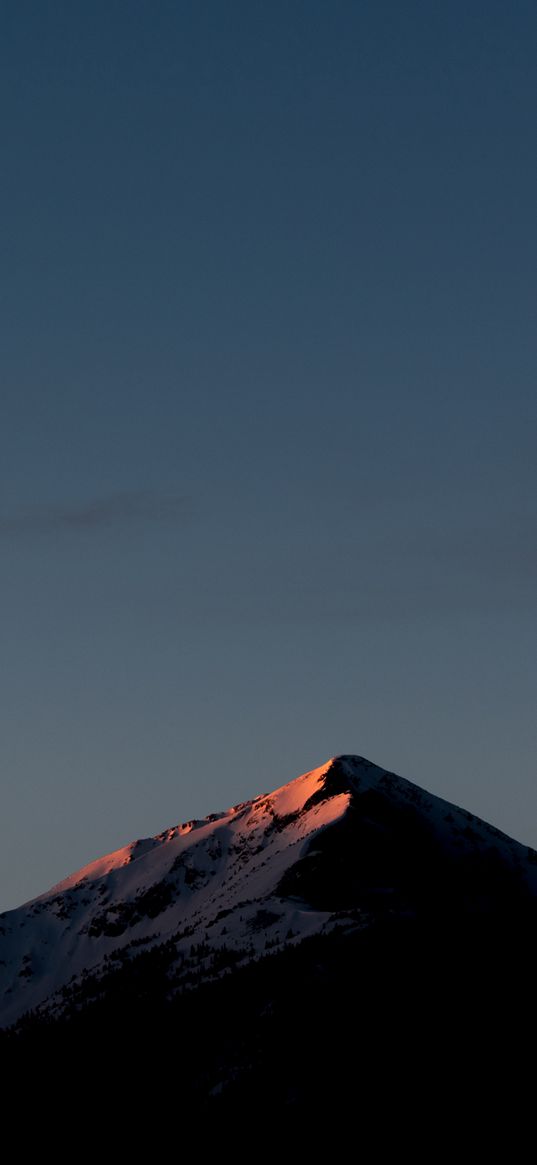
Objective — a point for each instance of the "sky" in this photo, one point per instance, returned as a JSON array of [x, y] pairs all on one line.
[[268, 419]]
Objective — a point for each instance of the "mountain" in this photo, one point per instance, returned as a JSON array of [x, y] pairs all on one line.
[[331, 849], [348, 903]]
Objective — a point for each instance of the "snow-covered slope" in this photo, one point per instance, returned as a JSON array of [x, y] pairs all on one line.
[[329, 849]]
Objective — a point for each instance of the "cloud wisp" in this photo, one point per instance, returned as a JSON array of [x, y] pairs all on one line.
[[109, 512]]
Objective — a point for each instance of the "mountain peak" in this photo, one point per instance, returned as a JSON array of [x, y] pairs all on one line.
[[334, 848]]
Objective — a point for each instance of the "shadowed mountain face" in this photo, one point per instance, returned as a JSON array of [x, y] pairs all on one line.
[[349, 900], [342, 847]]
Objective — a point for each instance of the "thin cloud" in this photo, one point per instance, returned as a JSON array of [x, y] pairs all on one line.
[[109, 512]]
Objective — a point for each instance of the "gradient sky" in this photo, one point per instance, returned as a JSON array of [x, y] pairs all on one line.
[[268, 418]]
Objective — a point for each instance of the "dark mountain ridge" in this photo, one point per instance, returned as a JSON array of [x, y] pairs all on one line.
[[347, 919]]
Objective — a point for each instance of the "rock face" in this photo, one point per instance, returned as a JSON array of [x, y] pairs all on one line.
[[342, 853]]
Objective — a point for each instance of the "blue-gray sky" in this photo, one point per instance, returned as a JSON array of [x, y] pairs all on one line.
[[268, 409]]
